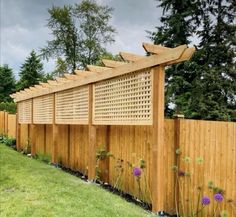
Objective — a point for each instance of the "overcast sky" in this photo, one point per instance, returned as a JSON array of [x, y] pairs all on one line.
[[23, 27]]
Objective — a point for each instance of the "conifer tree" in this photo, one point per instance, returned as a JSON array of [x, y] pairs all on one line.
[[7, 83], [205, 87], [31, 72]]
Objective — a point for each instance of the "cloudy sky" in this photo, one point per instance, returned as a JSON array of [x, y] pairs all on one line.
[[23, 27]]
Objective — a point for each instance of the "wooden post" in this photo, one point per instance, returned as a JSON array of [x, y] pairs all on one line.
[[158, 146], [92, 139], [177, 119], [18, 130], [54, 133], [32, 131]]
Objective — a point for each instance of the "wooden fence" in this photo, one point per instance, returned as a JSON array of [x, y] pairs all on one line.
[[212, 141], [8, 124]]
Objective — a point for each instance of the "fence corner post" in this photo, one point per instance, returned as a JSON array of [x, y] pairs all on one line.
[[158, 186]]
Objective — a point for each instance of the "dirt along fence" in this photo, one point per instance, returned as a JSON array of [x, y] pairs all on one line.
[[8, 124], [206, 157]]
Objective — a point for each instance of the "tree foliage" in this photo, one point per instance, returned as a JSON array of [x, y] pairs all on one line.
[[80, 33], [31, 72], [205, 87], [7, 83]]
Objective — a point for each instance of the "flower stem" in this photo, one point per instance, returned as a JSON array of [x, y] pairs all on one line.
[[215, 210], [176, 203]]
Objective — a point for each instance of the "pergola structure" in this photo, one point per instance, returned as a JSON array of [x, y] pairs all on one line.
[[129, 92]]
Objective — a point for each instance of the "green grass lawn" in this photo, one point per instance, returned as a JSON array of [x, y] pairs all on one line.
[[31, 188]]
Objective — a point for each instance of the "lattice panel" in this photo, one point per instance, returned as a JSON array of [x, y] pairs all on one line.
[[125, 100], [43, 109], [72, 106], [25, 111]]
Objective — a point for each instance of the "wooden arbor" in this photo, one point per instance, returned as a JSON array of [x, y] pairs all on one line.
[[130, 92]]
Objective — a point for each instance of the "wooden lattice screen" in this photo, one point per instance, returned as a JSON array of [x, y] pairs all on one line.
[[43, 109], [124, 100], [25, 111], [72, 106]]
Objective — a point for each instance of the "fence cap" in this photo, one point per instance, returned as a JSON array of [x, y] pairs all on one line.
[[178, 116]]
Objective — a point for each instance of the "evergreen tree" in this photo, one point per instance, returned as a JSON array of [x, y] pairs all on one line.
[[203, 88], [217, 84], [178, 25], [31, 72], [80, 33], [7, 83]]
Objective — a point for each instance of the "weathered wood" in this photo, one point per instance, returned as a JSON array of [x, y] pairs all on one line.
[[158, 146]]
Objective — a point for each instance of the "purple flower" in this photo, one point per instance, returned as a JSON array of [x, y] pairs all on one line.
[[205, 200], [137, 171], [181, 173], [218, 197]]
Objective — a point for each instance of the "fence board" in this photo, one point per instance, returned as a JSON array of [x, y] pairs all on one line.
[[2, 122], [11, 129]]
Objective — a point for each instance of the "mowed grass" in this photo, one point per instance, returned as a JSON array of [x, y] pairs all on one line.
[[31, 188]]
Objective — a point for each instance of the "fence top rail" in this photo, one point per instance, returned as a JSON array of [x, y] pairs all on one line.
[[159, 55]]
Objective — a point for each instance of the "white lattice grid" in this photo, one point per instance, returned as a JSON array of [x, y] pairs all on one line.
[[25, 112], [125, 100], [72, 106], [43, 109]]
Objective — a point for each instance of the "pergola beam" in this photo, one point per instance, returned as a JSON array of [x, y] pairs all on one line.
[[144, 62], [44, 85], [39, 87], [112, 63], [98, 69], [52, 82], [62, 80], [33, 89], [83, 73], [130, 57], [28, 90], [155, 49], [186, 55], [71, 77]]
